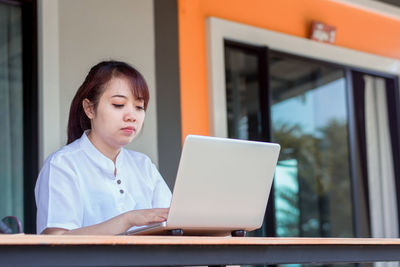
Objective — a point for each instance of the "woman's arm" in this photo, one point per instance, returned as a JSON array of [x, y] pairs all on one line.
[[116, 225]]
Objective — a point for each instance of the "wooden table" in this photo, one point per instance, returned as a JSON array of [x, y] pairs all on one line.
[[36, 250]]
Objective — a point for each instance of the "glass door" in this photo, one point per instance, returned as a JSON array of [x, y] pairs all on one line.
[[11, 112], [309, 119], [18, 110], [302, 105]]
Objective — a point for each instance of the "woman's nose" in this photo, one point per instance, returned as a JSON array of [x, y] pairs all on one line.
[[130, 115]]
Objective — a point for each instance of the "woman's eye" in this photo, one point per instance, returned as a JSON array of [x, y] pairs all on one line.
[[140, 107], [118, 105]]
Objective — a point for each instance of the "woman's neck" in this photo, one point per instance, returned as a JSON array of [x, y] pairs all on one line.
[[106, 149]]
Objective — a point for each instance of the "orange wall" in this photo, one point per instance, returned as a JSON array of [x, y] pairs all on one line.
[[355, 29]]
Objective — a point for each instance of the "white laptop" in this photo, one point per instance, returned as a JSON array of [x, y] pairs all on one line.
[[222, 186]]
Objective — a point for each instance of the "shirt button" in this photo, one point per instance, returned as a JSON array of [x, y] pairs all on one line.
[[121, 191], [119, 182]]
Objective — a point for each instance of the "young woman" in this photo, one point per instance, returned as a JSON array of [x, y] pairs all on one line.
[[93, 185]]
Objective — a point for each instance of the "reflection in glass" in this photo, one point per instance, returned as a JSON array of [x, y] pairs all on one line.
[[286, 195], [309, 120], [242, 93], [11, 117], [308, 114]]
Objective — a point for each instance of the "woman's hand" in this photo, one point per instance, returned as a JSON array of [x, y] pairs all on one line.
[[147, 216], [116, 225]]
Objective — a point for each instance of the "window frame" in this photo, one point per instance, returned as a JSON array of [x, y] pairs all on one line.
[[31, 110]]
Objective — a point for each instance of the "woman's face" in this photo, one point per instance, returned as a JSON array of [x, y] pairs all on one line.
[[119, 115]]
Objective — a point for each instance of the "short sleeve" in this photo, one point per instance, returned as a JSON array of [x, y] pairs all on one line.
[[58, 198], [161, 194]]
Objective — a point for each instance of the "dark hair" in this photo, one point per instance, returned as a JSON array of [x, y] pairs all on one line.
[[93, 87]]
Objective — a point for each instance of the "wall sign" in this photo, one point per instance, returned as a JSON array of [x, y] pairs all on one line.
[[323, 33]]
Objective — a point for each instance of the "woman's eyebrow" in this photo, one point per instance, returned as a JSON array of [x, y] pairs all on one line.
[[119, 96]]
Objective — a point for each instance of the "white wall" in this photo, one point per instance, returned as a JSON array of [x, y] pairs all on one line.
[[49, 85], [90, 31]]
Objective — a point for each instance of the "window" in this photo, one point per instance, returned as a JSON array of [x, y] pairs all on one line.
[[325, 65], [309, 108], [11, 105], [309, 119], [376, 104], [18, 111], [245, 68]]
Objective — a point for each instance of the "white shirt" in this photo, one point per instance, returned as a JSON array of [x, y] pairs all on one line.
[[77, 186]]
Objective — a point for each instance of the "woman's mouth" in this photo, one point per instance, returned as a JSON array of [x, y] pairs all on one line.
[[128, 129]]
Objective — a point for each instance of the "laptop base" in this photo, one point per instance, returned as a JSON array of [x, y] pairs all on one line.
[[175, 232], [238, 233], [163, 229], [179, 232]]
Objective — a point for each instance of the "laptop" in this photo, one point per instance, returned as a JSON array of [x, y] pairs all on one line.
[[222, 185]]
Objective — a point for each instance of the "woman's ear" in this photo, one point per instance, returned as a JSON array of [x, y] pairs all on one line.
[[88, 108]]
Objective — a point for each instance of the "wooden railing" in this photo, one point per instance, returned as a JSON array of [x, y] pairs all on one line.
[[36, 250]]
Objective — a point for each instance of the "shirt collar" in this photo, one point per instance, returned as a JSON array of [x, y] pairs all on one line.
[[99, 159]]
